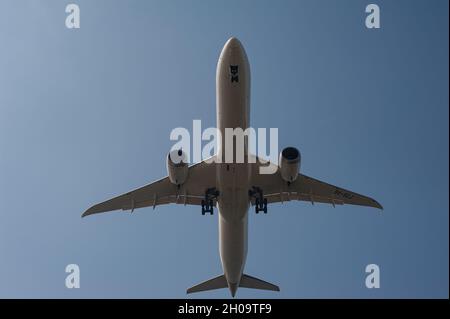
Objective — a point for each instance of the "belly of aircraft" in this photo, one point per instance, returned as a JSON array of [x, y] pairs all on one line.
[[234, 200]]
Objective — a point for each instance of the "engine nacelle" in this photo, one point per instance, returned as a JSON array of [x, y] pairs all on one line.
[[289, 164], [177, 167]]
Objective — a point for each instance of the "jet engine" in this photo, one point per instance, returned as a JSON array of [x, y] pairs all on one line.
[[289, 164], [177, 167]]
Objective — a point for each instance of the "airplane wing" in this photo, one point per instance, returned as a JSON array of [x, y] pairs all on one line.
[[201, 177], [305, 188]]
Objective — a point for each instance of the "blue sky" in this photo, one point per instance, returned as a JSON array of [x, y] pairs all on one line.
[[86, 114]]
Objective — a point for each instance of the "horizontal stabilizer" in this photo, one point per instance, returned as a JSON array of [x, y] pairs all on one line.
[[255, 283], [211, 284], [221, 282]]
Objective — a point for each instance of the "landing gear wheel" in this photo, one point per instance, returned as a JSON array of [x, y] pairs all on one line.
[[260, 201], [265, 206], [203, 208], [208, 202]]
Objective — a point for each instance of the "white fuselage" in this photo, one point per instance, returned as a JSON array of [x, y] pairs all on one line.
[[233, 111]]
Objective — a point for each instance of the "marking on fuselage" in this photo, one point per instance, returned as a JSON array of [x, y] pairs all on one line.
[[234, 70]]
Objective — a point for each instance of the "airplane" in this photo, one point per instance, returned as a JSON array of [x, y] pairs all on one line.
[[232, 187]]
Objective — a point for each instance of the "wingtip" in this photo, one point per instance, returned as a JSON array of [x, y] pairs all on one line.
[[379, 206], [87, 213], [376, 204]]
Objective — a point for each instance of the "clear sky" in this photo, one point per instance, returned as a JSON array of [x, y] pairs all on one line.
[[86, 114]]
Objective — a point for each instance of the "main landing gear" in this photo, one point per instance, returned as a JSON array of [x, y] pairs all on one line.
[[260, 201], [208, 202]]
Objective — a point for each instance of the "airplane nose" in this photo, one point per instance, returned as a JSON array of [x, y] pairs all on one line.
[[233, 288], [233, 43]]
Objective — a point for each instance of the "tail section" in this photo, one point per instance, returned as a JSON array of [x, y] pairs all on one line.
[[221, 282]]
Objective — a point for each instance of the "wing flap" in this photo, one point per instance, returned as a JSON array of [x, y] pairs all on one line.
[[282, 197]]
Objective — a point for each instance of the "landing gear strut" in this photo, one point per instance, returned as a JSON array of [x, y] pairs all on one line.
[[208, 202], [260, 201]]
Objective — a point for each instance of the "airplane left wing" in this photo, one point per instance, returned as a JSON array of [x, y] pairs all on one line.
[[202, 176]]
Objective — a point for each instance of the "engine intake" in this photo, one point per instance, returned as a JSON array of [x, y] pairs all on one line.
[[177, 167], [289, 164]]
